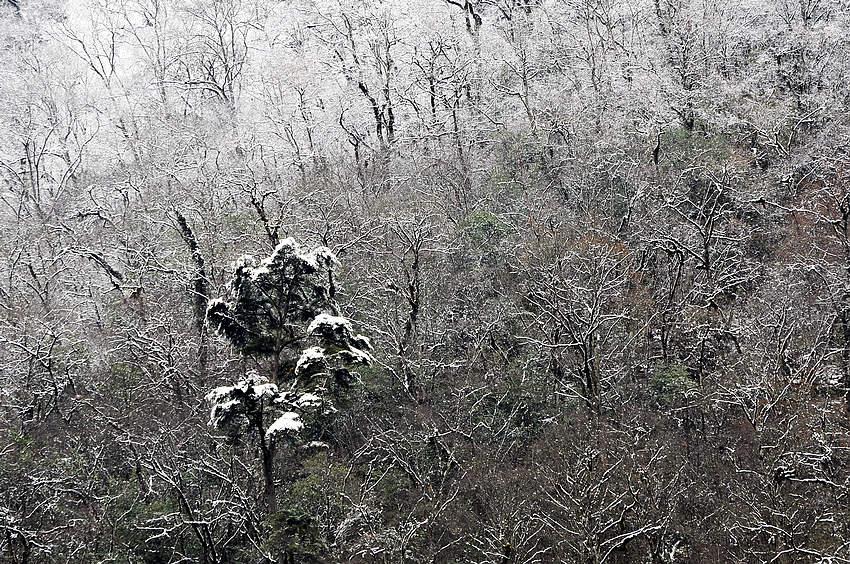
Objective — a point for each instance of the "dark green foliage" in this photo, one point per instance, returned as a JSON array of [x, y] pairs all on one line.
[[671, 383], [268, 304], [295, 537]]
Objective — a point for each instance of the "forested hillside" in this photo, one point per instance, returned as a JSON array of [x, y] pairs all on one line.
[[425, 281]]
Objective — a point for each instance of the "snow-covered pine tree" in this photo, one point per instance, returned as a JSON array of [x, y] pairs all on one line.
[[282, 308]]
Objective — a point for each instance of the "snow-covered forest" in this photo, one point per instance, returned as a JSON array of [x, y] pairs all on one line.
[[425, 281]]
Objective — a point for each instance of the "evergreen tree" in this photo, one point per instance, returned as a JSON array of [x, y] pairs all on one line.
[[282, 308]]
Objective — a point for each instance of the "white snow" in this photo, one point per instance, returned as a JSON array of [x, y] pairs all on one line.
[[308, 358], [226, 406], [320, 255], [284, 397], [261, 270], [308, 400], [325, 320], [219, 410], [252, 385], [317, 444], [288, 422], [265, 265], [313, 259], [264, 390], [219, 393], [289, 243], [356, 355], [214, 302]]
